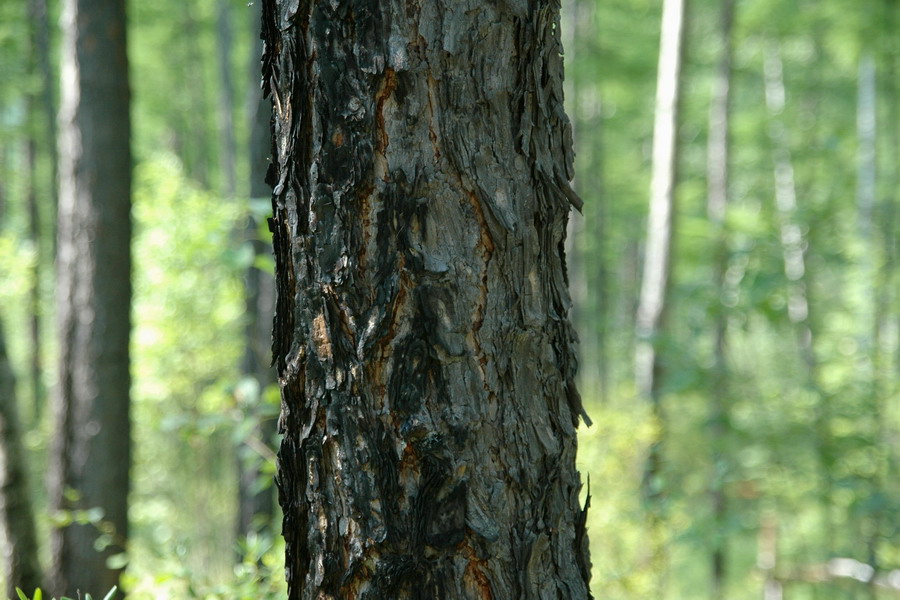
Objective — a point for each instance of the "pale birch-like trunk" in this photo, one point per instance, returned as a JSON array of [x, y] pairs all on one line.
[[650, 322], [793, 249], [426, 361]]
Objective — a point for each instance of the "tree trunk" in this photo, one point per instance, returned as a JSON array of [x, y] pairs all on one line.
[[650, 322], [421, 192], [35, 323], [793, 250], [40, 21], [40, 107], [224, 42], [256, 508], [17, 533], [717, 203], [884, 294], [91, 444], [194, 139]]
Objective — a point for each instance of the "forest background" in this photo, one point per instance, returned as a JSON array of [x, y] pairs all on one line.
[[777, 428]]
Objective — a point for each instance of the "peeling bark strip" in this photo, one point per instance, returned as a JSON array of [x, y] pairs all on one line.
[[421, 173]]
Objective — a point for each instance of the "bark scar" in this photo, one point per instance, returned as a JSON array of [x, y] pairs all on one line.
[[388, 84]]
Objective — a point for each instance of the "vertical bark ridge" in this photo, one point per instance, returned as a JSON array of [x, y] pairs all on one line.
[[422, 342]]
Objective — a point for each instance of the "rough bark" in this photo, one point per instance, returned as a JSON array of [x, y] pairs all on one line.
[[421, 192], [650, 322], [256, 508], [717, 204], [17, 532], [91, 443]]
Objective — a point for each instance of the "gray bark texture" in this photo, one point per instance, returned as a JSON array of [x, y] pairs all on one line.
[[91, 445], [422, 161], [18, 541]]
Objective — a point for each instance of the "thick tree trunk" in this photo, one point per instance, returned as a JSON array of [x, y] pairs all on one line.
[[650, 322], [91, 445], [427, 367], [717, 203], [17, 532], [256, 508]]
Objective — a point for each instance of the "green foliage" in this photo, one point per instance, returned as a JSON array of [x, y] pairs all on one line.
[[38, 595], [806, 448]]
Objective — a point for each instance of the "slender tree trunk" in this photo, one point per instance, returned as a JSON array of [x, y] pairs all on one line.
[[4, 178], [865, 129], [18, 541], [793, 248], [40, 20], [421, 337], [40, 107], [866, 200], [228, 147], [35, 367], [767, 557], [194, 140], [652, 303], [717, 204], [256, 508], [884, 286], [91, 443]]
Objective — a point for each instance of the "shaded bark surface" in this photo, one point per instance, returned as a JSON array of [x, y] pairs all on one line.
[[91, 444], [421, 192], [18, 541]]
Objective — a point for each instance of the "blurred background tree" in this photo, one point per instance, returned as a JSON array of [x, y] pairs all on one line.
[[779, 365]]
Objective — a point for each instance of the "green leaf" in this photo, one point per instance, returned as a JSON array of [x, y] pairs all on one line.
[[21, 594], [38, 594], [110, 593]]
